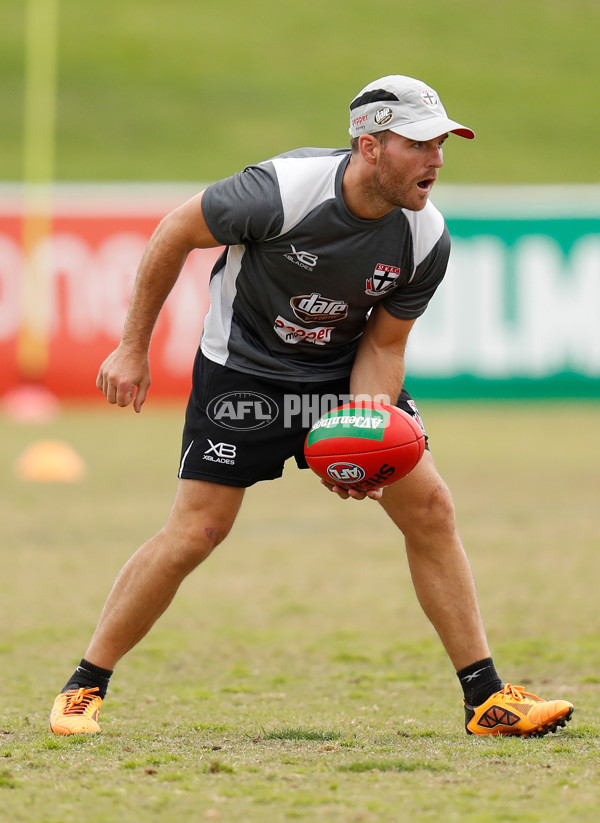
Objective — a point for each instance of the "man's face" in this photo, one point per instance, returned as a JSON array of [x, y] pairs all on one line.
[[407, 169]]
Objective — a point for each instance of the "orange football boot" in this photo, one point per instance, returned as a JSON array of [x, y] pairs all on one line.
[[515, 711], [76, 712]]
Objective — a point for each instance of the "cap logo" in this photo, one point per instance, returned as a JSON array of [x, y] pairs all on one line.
[[429, 98], [383, 116]]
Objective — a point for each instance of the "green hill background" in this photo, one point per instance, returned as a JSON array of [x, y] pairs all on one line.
[[195, 89]]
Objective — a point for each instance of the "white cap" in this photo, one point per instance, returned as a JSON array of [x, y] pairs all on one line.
[[403, 105]]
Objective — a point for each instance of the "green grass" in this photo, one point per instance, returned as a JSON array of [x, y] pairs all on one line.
[[193, 91], [295, 677]]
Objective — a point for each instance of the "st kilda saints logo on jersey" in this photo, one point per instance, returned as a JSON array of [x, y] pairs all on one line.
[[312, 308], [382, 280]]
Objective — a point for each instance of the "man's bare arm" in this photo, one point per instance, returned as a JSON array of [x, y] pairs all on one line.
[[125, 374], [379, 364], [378, 372]]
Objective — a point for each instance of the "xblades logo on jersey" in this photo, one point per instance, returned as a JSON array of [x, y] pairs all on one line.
[[382, 280], [304, 259], [315, 308]]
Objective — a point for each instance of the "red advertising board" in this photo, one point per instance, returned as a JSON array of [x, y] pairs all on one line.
[[516, 315], [92, 257]]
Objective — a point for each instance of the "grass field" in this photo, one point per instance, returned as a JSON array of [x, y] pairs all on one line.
[[193, 91], [295, 677]]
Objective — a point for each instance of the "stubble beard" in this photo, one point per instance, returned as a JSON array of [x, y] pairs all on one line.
[[391, 188]]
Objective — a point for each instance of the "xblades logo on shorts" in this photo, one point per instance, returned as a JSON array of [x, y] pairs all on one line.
[[315, 308], [220, 452]]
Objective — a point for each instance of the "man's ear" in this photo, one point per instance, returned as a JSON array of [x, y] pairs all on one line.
[[369, 147]]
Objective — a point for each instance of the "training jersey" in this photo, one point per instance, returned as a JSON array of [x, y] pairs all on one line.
[[293, 289]]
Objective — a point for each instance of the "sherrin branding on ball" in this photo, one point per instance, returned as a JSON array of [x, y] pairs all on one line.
[[364, 445]]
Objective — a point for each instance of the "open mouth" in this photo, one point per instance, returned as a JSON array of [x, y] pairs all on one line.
[[426, 184]]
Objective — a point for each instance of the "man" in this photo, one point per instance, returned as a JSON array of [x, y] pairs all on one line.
[[330, 256]]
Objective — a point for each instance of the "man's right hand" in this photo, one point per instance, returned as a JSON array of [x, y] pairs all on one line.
[[346, 494], [125, 377]]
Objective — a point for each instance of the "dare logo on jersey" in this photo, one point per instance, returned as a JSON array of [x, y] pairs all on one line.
[[316, 309], [382, 280]]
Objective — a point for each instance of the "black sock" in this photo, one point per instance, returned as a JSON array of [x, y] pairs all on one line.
[[88, 676], [479, 681]]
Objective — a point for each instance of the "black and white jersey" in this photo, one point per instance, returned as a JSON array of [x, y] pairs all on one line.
[[290, 295]]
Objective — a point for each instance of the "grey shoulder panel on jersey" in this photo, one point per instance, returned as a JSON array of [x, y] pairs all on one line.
[[225, 206], [280, 191]]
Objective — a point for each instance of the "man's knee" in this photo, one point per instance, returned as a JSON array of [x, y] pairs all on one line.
[[421, 503], [434, 507], [188, 541], [201, 518]]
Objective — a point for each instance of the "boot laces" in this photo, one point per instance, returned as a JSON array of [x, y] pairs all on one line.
[[518, 693], [80, 700]]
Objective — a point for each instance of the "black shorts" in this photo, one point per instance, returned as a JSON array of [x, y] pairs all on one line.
[[240, 429]]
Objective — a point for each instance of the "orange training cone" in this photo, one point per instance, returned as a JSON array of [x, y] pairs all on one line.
[[50, 461]]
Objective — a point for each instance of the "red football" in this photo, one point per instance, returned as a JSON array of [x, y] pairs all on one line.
[[364, 445]]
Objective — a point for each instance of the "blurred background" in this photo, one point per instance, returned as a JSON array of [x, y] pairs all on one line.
[[114, 112], [191, 91]]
